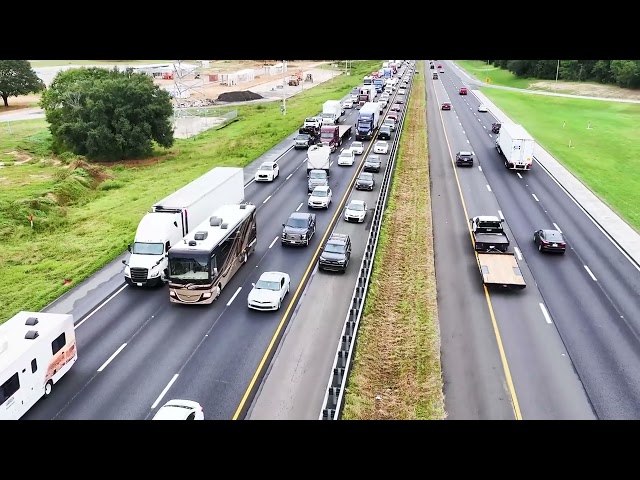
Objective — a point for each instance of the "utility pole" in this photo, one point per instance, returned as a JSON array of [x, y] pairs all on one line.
[[284, 93], [557, 71]]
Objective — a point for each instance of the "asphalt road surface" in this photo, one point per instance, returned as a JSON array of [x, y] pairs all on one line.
[[497, 343], [138, 351], [591, 293]]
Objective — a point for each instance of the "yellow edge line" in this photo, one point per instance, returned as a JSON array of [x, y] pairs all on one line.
[[496, 330], [293, 301]]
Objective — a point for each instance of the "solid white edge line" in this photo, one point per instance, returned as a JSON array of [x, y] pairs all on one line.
[[545, 313], [104, 365], [479, 168], [590, 273], [534, 197], [274, 242], [164, 392], [500, 214], [101, 305], [488, 188], [518, 252], [557, 227], [234, 296], [289, 176]]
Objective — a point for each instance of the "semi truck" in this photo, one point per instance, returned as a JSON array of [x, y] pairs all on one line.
[[516, 146], [488, 234], [388, 73], [331, 112], [333, 135], [368, 121], [173, 217], [379, 84], [319, 158], [367, 94], [368, 80]]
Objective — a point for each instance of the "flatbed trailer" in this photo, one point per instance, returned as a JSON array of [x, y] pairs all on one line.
[[500, 269]]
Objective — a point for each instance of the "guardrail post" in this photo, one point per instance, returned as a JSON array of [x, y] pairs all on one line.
[[349, 329], [353, 313], [334, 392], [327, 414], [342, 357], [346, 342], [337, 376]]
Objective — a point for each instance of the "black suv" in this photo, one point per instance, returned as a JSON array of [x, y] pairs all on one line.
[[464, 159], [372, 164], [495, 127], [299, 229], [336, 253], [384, 133]]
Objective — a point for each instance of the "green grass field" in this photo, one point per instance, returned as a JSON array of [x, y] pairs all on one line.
[[497, 76], [604, 157], [81, 224], [60, 63]]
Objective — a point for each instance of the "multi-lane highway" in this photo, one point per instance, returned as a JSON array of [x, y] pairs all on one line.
[[577, 311], [137, 350]]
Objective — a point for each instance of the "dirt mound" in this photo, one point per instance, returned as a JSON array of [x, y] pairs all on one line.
[[240, 96]]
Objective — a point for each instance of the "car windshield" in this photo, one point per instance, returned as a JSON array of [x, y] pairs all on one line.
[[356, 206], [310, 120], [266, 166], [267, 285], [346, 153], [140, 248], [366, 176], [373, 159], [356, 144], [382, 144], [553, 236], [297, 222], [465, 154], [303, 137], [319, 193], [334, 248]]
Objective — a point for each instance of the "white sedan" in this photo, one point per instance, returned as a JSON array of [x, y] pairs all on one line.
[[267, 172], [180, 410], [320, 197], [355, 211], [346, 157], [347, 104], [381, 146], [482, 109], [269, 291], [357, 148]]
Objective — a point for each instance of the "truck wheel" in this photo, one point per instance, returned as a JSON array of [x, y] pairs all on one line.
[[218, 292], [540, 247], [47, 388]]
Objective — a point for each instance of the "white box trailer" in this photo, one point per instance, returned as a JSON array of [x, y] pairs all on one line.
[[319, 158], [172, 218], [516, 146], [331, 112], [36, 350]]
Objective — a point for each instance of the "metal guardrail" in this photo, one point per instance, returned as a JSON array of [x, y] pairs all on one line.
[[334, 396]]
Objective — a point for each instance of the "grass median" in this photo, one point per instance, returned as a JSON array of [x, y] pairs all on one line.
[[396, 371], [595, 140], [85, 214], [483, 72]]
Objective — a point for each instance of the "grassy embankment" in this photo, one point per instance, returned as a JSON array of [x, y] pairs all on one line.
[[479, 70], [86, 214], [397, 372]]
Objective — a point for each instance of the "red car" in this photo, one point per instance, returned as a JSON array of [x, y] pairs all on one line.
[[463, 91], [397, 107], [439, 66], [446, 106]]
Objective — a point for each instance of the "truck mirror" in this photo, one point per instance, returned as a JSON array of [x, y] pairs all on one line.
[[124, 262], [166, 273], [129, 248], [175, 223], [283, 225]]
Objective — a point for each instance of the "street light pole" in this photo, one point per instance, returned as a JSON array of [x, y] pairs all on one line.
[[557, 71], [284, 92]]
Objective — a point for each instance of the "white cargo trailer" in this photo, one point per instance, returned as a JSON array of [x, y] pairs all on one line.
[[516, 146], [172, 218]]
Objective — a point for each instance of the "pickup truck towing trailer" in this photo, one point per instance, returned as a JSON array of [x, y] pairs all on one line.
[[488, 234], [333, 135], [500, 269]]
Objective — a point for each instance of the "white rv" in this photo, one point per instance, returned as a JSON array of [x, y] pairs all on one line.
[[171, 219], [36, 350]]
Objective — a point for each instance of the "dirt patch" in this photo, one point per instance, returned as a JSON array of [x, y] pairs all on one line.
[[588, 89], [3, 179], [239, 96], [17, 103], [97, 173], [397, 372], [20, 157], [40, 176]]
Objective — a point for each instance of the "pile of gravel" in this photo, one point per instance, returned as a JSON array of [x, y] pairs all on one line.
[[241, 96]]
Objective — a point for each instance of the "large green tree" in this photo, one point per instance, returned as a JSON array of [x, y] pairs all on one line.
[[18, 78], [107, 114]]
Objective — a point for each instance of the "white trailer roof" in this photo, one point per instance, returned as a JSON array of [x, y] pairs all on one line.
[[515, 130], [13, 343], [194, 191]]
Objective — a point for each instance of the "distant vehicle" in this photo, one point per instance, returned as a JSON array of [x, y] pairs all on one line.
[[439, 66], [462, 91], [495, 127], [346, 157], [303, 140], [402, 91], [336, 253], [317, 178], [432, 66], [180, 410], [347, 104], [36, 350], [320, 197], [365, 181], [385, 132], [357, 147], [446, 106], [331, 112], [388, 122], [435, 76], [356, 211], [372, 164], [333, 135], [207, 259], [269, 291], [482, 109], [393, 116], [396, 107], [299, 229], [267, 172], [550, 241], [381, 146], [312, 122], [488, 234], [464, 159]]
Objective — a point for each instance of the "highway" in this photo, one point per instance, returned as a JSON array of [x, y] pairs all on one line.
[[590, 294], [136, 350]]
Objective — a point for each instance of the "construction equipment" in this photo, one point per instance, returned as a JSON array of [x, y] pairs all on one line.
[[308, 78]]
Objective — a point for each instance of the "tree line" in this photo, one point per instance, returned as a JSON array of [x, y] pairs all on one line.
[[623, 73]]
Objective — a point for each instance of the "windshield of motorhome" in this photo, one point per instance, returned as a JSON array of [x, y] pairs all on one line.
[[140, 248], [191, 267]]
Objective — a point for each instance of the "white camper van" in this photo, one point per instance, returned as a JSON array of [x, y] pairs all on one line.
[[36, 350]]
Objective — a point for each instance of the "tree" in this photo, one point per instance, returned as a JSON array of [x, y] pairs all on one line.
[[18, 78], [107, 114]]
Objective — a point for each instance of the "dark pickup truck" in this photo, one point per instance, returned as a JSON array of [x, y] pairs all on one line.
[[299, 229], [488, 234]]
